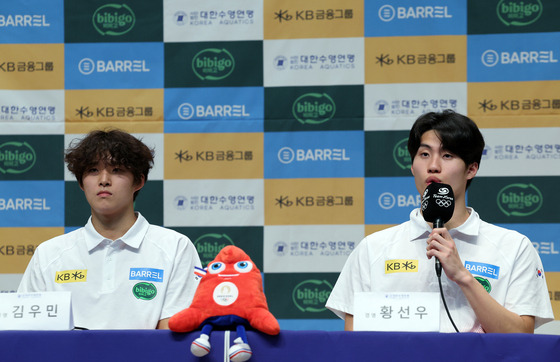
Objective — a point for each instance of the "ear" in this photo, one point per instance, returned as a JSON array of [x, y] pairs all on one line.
[[472, 170], [140, 184]]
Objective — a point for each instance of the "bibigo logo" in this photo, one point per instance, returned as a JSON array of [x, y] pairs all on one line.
[[519, 12], [520, 200], [401, 155], [144, 291], [213, 64], [311, 295], [16, 157], [113, 19], [313, 108]]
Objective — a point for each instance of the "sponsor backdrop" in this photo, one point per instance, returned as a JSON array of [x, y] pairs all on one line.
[[280, 126]]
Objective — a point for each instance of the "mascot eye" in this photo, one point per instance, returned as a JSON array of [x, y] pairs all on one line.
[[216, 267], [243, 266]]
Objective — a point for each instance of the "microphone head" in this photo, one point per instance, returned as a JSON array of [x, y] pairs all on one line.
[[438, 203]]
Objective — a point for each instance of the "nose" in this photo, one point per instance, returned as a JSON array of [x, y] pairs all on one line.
[[104, 178], [434, 165]]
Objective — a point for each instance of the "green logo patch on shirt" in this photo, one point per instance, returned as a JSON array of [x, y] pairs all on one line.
[[144, 291]]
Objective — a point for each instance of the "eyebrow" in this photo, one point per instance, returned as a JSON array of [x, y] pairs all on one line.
[[441, 148], [424, 145]]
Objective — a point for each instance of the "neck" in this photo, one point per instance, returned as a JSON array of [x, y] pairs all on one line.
[[113, 228], [458, 219], [460, 214]]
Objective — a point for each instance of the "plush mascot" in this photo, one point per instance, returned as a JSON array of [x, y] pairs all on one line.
[[230, 295]]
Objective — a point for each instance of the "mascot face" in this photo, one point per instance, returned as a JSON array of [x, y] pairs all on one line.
[[229, 271], [231, 276]]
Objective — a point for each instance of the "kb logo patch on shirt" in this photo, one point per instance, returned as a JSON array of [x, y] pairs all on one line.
[[401, 266], [486, 270], [146, 274], [70, 276]]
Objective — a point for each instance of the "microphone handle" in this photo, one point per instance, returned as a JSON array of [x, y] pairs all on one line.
[[438, 223]]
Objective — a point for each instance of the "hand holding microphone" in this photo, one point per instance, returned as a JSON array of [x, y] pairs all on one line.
[[438, 204]]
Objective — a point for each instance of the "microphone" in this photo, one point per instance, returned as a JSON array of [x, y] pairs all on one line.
[[438, 204]]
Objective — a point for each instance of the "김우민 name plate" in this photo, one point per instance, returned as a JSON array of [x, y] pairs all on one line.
[[36, 311], [396, 311]]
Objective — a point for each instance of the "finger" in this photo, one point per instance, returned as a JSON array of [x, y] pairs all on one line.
[[433, 252], [434, 245]]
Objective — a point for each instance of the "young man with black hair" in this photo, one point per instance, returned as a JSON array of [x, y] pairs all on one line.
[[447, 148], [126, 273]]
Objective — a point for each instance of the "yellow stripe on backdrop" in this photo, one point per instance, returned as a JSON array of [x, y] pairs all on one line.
[[132, 110], [36, 66], [18, 245]]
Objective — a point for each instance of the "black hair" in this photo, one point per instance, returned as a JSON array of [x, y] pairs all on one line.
[[458, 134], [113, 147]]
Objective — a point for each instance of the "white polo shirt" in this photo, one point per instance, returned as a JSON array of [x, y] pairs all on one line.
[[130, 283], [503, 260]]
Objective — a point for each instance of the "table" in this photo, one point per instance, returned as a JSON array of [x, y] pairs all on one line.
[[164, 345]]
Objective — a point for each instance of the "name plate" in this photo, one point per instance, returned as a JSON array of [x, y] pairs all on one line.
[[36, 311], [396, 312]]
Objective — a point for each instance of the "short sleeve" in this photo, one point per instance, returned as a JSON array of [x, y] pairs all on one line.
[[33, 278], [182, 281], [355, 277], [528, 292]]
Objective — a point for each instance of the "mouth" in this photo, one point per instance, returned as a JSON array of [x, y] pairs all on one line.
[[432, 179], [228, 275], [104, 193]]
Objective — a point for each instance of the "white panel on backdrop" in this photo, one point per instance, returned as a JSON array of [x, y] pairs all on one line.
[[305, 62], [32, 111], [9, 282], [309, 248], [521, 152], [212, 20], [213, 202], [396, 106]]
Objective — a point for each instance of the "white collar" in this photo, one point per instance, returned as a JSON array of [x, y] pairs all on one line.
[[419, 229], [132, 238]]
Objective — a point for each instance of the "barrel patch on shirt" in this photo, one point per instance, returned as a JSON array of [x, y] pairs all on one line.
[[401, 266], [70, 276], [482, 269], [146, 274], [144, 291]]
